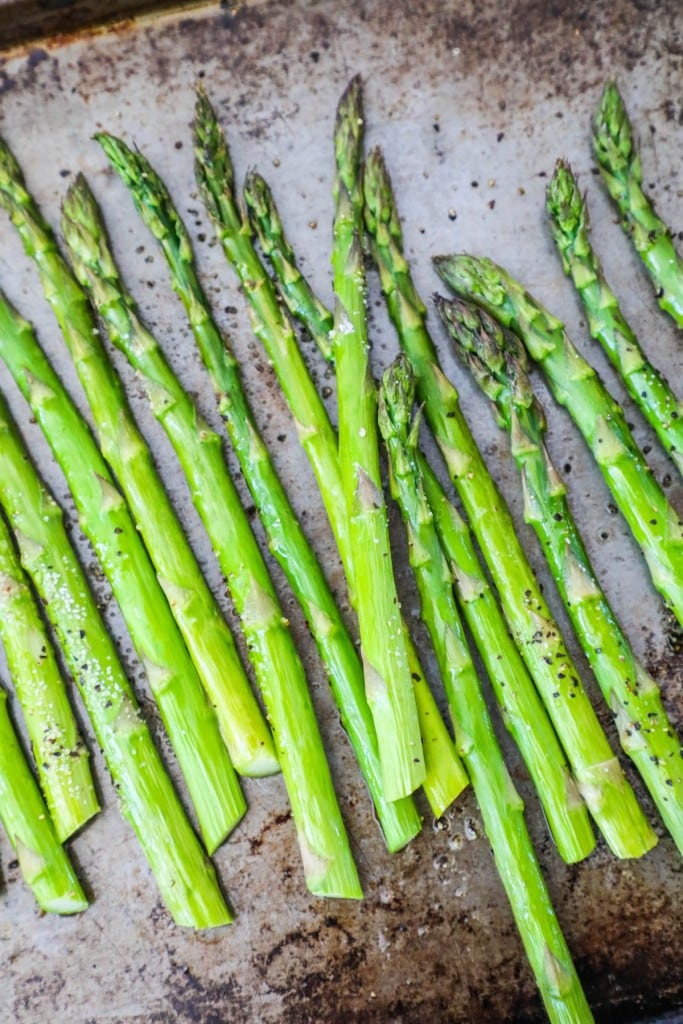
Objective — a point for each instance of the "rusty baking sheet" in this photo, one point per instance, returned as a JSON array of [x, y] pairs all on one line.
[[473, 102]]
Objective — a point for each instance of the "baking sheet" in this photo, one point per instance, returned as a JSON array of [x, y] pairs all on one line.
[[472, 102]]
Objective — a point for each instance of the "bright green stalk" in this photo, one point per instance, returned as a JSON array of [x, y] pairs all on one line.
[[619, 162], [43, 862], [500, 805], [61, 757], [294, 289], [444, 775], [522, 710], [497, 361], [327, 859], [382, 640], [654, 523], [594, 766], [194, 607], [148, 801], [646, 385], [565, 811], [217, 501], [104, 518]]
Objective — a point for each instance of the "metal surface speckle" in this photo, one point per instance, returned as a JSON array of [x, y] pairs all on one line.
[[472, 102]]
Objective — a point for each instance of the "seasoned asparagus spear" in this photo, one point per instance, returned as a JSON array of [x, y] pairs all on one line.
[[326, 855], [104, 518], [61, 757], [501, 806], [387, 672], [523, 712], [497, 361], [43, 862], [194, 607], [621, 171], [646, 385], [654, 523], [185, 876], [536, 634], [217, 501], [444, 776]]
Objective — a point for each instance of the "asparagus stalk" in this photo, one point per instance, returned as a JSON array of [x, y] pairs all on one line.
[[194, 607], [293, 287], [327, 860], [61, 757], [387, 673], [218, 503], [497, 360], [444, 776], [501, 806], [619, 162], [104, 518], [538, 638], [646, 385], [575, 384], [43, 862], [185, 876], [523, 712]]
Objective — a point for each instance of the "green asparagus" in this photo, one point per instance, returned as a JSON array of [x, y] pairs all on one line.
[[497, 360], [295, 291], [500, 804], [646, 386], [61, 757], [444, 776], [575, 384], [43, 862], [194, 607], [185, 876], [536, 634], [386, 664], [327, 860], [104, 518], [622, 174], [216, 498], [523, 712]]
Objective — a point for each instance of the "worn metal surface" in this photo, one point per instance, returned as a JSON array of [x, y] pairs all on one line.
[[472, 102]]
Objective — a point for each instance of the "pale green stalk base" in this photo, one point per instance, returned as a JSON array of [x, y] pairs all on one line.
[[184, 875], [61, 757], [43, 862]]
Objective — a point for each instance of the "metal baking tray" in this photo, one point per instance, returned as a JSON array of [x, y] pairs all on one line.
[[473, 103]]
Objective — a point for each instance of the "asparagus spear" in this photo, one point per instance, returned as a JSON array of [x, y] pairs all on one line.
[[328, 864], [104, 518], [523, 712], [444, 776], [43, 862], [387, 672], [535, 632], [61, 757], [194, 608], [575, 384], [497, 360], [621, 171], [185, 876], [294, 289], [646, 385], [217, 500], [500, 804]]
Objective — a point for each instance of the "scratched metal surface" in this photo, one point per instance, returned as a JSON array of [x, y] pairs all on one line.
[[473, 102]]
